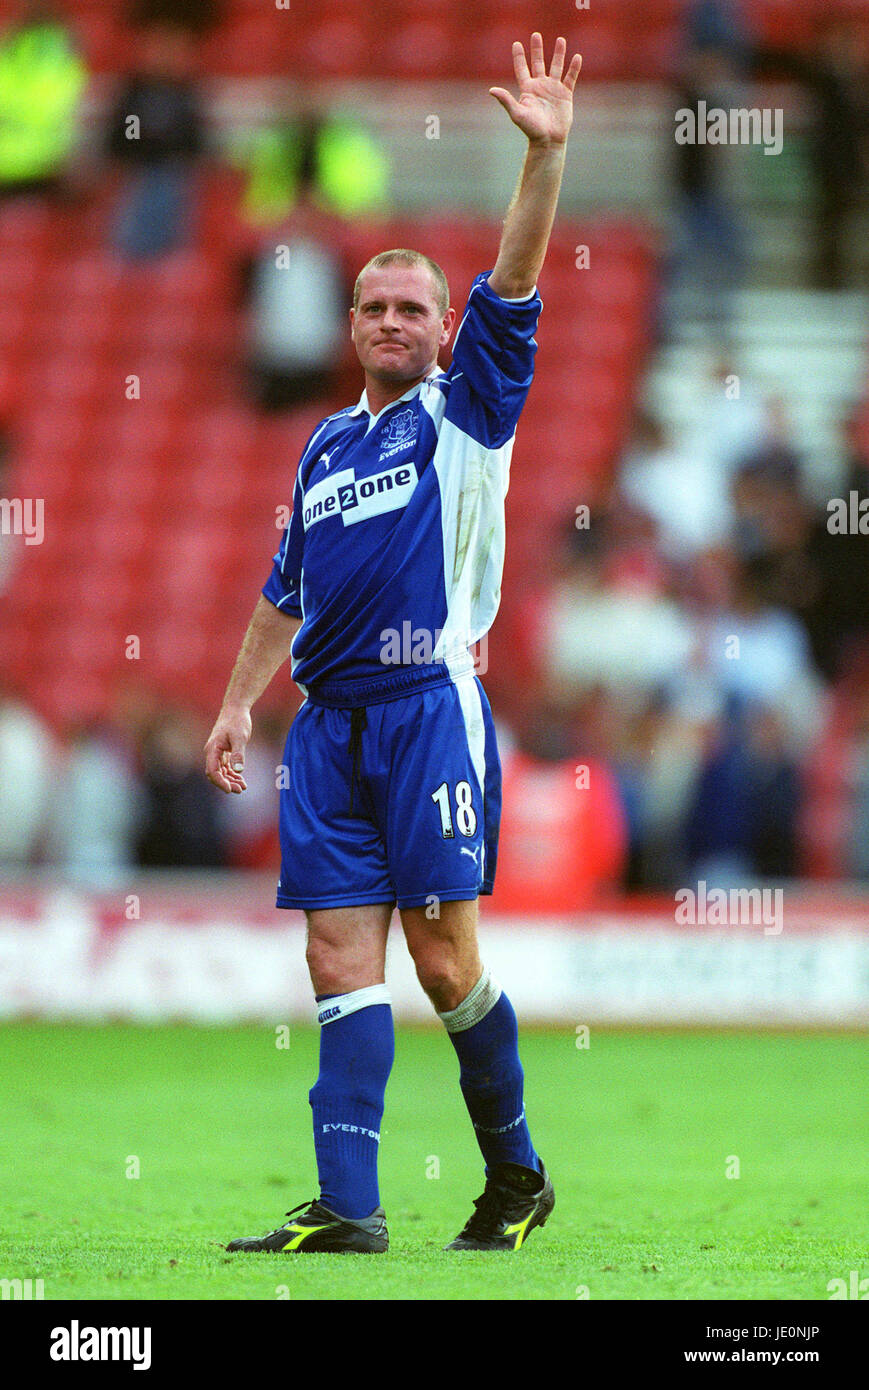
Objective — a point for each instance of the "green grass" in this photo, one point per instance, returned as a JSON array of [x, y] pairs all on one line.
[[637, 1131]]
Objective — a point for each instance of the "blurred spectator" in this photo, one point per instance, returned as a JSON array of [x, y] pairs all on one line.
[[835, 75], [196, 16], [657, 770], [299, 294], [774, 458], [329, 160], [27, 787], [249, 822], [312, 173], [771, 512], [677, 487], [156, 132], [563, 830], [730, 419], [709, 252], [758, 655], [97, 807], [181, 825], [628, 639], [776, 793], [700, 488], [857, 850], [742, 823], [42, 79], [718, 26], [836, 601]]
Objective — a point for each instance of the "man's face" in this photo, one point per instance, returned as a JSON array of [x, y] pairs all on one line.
[[397, 328]]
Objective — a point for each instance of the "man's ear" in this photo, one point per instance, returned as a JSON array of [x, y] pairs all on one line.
[[352, 322], [448, 326]]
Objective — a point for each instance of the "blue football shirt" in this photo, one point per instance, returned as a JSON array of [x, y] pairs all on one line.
[[394, 552]]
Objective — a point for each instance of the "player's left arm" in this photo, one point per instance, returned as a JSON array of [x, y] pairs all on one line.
[[544, 113]]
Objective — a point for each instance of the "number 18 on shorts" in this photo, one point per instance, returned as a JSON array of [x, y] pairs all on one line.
[[404, 807]]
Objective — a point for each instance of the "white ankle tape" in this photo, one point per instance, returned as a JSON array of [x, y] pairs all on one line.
[[343, 1004], [483, 997]]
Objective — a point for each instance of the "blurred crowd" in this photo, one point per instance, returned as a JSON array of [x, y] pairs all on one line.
[[306, 171], [706, 635], [703, 639], [703, 642], [129, 789], [725, 65]]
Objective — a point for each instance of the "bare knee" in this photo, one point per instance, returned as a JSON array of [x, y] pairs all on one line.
[[330, 970], [445, 953], [346, 948], [443, 980]]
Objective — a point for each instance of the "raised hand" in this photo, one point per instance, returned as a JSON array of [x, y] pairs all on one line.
[[544, 111]]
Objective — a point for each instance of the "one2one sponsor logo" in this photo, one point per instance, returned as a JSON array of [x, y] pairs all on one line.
[[357, 499]]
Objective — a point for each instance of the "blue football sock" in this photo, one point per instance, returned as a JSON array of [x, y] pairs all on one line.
[[485, 1034], [357, 1047]]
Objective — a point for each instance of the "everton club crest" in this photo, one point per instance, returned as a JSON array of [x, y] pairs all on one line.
[[399, 433]]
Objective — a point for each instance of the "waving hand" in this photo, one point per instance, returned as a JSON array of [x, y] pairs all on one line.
[[544, 110]]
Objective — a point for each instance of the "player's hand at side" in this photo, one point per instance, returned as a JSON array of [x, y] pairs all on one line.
[[224, 751], [544, 111]]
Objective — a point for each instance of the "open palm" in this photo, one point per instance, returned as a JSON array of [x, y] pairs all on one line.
[[544, 110]]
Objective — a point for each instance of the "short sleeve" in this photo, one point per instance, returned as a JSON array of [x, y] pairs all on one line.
[[284, 585]]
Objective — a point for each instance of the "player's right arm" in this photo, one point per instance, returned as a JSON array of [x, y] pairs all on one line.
[[264, 650], [544, 114]]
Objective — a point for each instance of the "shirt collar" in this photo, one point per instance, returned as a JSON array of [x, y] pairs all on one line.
[[362, 404]]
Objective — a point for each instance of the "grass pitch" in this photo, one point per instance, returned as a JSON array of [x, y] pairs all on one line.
[[644, 1135]]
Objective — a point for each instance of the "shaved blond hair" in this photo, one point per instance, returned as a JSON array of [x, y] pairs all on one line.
[[400, 255]]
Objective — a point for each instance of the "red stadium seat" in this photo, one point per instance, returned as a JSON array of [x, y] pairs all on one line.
[[337, 47], [423, 48], [255, 43], [170, 499], [784, 23]]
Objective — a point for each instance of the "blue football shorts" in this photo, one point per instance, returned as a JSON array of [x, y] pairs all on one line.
[[392, 802]]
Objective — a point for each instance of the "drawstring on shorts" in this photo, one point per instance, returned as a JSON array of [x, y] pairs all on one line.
[[358, 722]]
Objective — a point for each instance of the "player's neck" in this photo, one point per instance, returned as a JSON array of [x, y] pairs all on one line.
[[382, 393]]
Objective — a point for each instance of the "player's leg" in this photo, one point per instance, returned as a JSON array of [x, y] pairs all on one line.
[[446, 785], [482, 1027], [481, 1024], [442, 853], [346, 956], [346, 953], [332, 858], [346, 947]]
